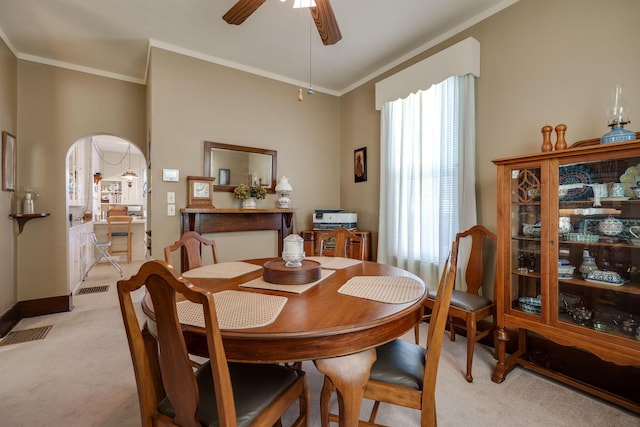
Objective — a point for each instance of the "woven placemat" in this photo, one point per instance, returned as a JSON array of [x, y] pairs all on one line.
[[334, 263], [222, 270], [389, 289], [235, 310], [260, 283]]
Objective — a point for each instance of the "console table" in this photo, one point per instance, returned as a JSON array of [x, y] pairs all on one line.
[[224, 220]]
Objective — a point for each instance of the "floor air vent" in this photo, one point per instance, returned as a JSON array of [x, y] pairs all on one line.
[[26, 335], [93, 290]]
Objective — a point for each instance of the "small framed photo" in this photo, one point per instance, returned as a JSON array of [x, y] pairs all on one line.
[[360, 164], [170, 175], [9, 157], [224, 177]]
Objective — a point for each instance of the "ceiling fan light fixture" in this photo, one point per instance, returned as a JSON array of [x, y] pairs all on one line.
[[297, 4]]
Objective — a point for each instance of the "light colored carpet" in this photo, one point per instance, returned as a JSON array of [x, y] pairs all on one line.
[[81, 375]]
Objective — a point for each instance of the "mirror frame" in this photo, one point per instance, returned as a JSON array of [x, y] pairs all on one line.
[[209, 145]]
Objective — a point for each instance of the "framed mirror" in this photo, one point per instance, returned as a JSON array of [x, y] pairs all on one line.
[[231, 165]]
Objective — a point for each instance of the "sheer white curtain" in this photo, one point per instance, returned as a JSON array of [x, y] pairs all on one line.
[[427, 182]]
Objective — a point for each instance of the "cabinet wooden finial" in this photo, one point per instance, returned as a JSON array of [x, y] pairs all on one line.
[[546, 138], [561, 144]]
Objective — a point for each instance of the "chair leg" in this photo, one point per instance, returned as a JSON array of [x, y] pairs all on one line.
[[325, 402], [374, 412], [416, 332], [452, 329], [471, 340]]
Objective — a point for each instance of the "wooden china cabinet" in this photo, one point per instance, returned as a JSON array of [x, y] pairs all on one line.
[[568, 262]]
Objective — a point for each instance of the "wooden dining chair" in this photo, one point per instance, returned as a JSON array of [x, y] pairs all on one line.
[[171, 392], [119, 234], [192, 243], [468, 305], [345, 243], [404, 373]]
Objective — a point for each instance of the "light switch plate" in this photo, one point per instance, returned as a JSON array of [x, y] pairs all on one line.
[[171, 210], [171, 196]]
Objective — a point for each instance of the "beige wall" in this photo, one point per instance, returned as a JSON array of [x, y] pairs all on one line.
[[8, 122], [56, 107], [192, 101], [542, 62]]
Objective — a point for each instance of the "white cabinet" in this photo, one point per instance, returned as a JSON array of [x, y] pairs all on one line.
[[81, 254], [79, 175]]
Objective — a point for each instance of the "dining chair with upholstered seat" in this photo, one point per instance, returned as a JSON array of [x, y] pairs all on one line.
[[192, 243], [405, 373], [219, 393], [119, 234], [341, 240], [468, 305]]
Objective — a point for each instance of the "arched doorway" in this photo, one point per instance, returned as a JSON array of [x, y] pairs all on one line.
[[103, 173]]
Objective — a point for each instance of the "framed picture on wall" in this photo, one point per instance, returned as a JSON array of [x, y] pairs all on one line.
[[360, 164], [8, 162], [224, 176]]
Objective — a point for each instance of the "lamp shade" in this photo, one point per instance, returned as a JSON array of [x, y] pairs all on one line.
[[284, 185]]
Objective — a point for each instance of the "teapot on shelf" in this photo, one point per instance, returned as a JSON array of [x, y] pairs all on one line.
[[611, 226]]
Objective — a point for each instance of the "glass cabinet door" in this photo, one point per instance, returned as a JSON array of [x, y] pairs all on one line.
[[526, 232], [599, 248]]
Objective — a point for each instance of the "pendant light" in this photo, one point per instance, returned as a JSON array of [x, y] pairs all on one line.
[[129, 173]]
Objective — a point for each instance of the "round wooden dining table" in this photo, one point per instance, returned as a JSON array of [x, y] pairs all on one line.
[[338, 332]]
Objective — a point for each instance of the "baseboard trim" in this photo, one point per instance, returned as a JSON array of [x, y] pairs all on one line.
[[31, 308], [39, 307], [9, 319]]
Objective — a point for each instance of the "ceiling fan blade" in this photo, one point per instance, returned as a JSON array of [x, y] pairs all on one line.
[[241, 11], [326, 22]]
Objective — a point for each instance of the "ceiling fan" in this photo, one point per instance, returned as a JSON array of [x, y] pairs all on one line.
[[322, 15]]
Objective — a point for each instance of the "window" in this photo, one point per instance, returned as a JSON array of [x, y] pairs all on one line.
[[427, 189]]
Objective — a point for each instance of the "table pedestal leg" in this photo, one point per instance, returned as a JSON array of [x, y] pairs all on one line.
[[349, 374]]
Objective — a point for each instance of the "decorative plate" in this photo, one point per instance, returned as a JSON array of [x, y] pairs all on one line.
[[577, 174], [530, 301], [530, 304], [630, 178], [533, 309]]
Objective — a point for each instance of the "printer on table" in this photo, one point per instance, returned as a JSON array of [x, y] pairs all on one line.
[[329, 219]]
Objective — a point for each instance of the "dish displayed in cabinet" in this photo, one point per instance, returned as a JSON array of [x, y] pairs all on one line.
[[577, 174], [592, 226], [630, 178], [530, 304]]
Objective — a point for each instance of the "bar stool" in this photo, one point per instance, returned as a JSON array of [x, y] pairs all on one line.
[[120, 228]]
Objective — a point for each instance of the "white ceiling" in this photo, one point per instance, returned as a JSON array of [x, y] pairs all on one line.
[[113, 37]]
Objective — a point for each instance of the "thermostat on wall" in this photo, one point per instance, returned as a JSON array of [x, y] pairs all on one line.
[[171, 175]]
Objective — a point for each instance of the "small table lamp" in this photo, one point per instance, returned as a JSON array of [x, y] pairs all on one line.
[[284, 188]]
